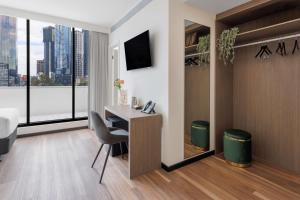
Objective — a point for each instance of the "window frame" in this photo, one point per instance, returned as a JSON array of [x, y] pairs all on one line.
[[37, 123]]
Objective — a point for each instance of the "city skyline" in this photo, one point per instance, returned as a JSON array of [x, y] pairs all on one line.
[[50, 49]]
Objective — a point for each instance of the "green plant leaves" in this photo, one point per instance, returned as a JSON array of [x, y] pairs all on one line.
[[203, 49], [226, 44]]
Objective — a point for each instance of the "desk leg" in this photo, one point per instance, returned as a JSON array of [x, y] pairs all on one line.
[[144, 145]]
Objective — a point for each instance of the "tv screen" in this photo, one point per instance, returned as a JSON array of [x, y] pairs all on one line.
[[137, 52]]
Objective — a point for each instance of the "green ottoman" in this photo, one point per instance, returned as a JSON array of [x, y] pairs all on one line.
[[237, 147], [200, 134]]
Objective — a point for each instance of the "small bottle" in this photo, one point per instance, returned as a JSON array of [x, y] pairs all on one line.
[[133, 102]]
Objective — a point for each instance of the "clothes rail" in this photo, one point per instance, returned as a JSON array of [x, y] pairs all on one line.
[[195, 54], [267, 41]]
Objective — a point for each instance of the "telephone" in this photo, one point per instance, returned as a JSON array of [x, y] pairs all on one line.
[[149, 108]]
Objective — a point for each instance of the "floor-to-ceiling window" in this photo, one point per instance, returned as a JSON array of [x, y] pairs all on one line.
[[51, 71], [13, 67], [43, 70], [81, 42]]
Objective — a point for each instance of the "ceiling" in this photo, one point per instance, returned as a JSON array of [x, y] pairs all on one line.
[[98, 12], [216, 6]]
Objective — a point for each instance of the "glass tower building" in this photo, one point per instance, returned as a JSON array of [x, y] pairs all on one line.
[[49, 50], [63, 50], [8, 46]]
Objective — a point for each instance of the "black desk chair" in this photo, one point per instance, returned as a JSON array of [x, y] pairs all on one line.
[[106, 135]]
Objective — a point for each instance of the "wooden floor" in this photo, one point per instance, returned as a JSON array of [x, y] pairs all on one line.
[[57, 166], [190, 150]]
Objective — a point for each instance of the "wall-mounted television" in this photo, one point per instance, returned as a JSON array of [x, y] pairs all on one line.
[[137, 52]]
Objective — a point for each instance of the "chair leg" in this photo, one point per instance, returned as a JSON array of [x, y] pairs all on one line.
[[127, 146], [105, 163], [97, 155], [121, 149]]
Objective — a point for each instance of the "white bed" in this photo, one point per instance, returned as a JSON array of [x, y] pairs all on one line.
[[8, 121], [8, 128]]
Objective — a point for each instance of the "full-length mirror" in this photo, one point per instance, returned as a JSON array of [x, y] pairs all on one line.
[[197, 73]]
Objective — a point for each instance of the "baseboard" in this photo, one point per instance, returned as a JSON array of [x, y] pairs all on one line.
[[187, 161], [50, 132]]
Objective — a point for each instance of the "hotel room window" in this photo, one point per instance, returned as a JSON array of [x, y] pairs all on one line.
[[54, 59], [51, 71], [13, 73], [81, 47]]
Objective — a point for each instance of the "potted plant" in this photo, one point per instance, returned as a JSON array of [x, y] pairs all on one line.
[[203, 49], [226, 43], [122, 98], [118, 83]]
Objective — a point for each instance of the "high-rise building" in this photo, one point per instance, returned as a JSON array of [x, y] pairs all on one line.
[[4, 74], [63, 49], [85, 52], [8, 44], [63, 55], [49, 48], [79, 70], [40, 67]]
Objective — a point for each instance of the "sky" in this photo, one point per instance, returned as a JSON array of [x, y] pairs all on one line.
[[36, 44]]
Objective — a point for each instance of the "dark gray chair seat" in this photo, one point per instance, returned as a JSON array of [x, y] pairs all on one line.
[[106, 135], [120, 132]]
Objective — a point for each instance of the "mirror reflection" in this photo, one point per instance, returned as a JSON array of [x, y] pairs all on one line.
[[197, 73]]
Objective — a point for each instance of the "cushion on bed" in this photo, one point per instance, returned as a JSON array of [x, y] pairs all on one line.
[[8, 121]]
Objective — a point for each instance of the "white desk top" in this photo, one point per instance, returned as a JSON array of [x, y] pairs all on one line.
[[128, 113]]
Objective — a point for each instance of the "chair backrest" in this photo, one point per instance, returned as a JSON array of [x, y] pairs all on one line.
[[100, 128]]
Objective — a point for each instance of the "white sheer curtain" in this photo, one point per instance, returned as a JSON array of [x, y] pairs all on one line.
[[98, 72]]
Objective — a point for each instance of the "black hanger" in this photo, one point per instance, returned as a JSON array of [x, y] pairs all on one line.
[[264, 50], [281, 49], [187, 60], [194, 60], [269, 52], [296, 47], [191, 61]]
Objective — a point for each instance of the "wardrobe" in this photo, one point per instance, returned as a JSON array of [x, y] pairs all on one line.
[[261, 94]]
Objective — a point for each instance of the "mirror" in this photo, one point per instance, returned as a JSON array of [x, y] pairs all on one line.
[[197, 89]]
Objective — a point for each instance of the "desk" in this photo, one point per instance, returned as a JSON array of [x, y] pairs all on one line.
[[144, 138]]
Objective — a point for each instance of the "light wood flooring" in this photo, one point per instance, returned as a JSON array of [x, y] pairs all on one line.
[[57, 166], [190, 150]]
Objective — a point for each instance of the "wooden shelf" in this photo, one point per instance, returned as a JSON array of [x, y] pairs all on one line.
[[202, 30], [288, 27], [191, 48], [253, 10]]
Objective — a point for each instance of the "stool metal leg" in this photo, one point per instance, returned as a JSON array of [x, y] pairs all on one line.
[[97, 155], [105, 163]]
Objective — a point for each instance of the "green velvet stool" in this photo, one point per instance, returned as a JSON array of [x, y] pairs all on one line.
[[200, 134], [237, 147]]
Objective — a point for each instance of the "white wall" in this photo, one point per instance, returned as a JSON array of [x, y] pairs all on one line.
[[179, 11], [150, 83], [164, 83]]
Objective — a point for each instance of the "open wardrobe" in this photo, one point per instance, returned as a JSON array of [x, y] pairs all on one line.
[[258, 85]]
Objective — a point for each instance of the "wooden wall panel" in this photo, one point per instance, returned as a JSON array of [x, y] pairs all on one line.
[[223, 96], [196, 95], [274, 18], [266, 102]]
